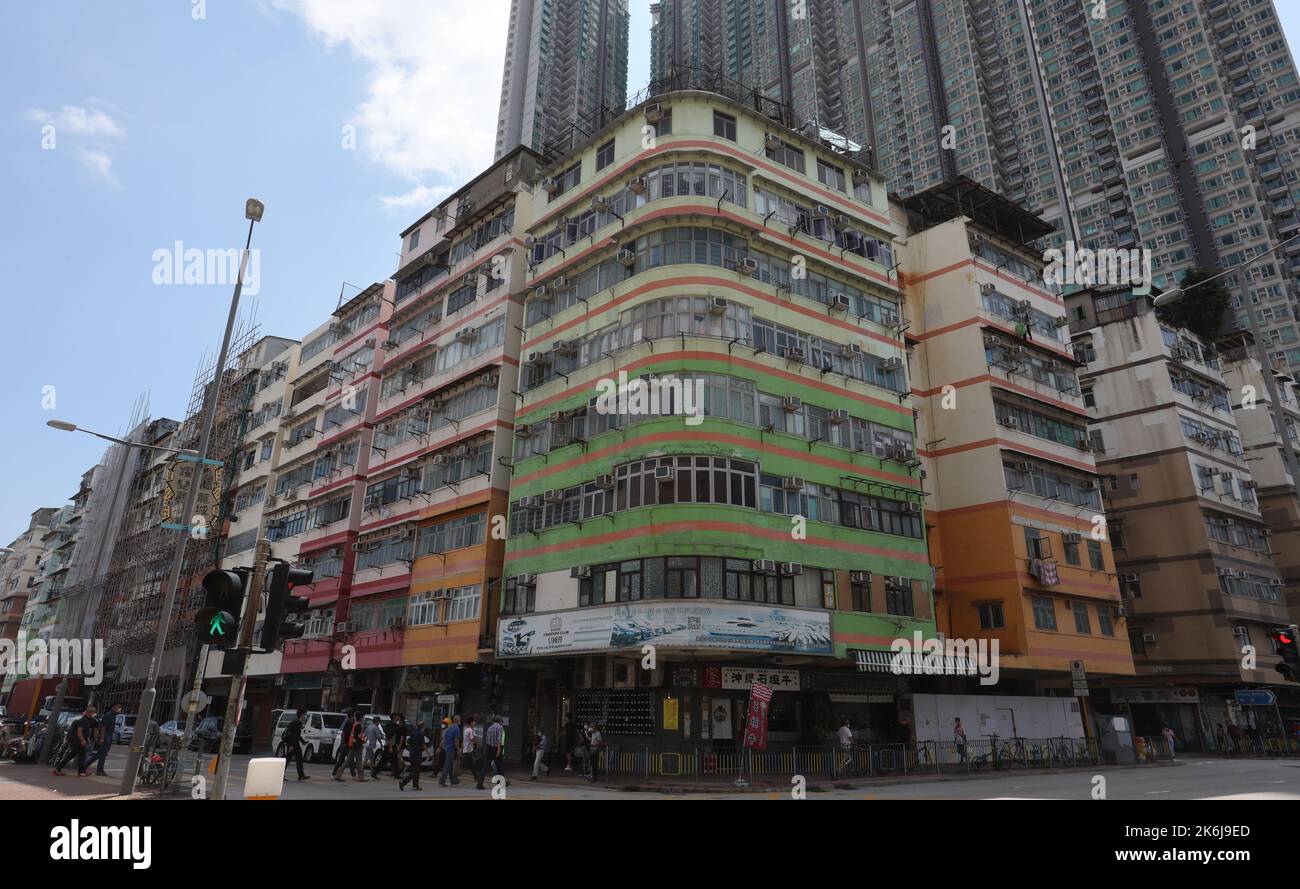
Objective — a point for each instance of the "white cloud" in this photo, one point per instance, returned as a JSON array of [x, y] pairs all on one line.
[[90, 129], [424, 196], [433, 83], [98, 162], [88, 122]]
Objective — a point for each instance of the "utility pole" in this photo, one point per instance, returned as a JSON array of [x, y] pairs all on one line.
[[252, 604], [253, 209]]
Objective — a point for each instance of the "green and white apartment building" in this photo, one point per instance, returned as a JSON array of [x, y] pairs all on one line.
[[754, 510]]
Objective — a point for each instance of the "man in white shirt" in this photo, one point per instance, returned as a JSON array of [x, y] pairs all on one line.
[[471, 746], [846, 744]]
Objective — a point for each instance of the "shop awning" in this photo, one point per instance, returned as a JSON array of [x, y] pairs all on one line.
[[921, 664]]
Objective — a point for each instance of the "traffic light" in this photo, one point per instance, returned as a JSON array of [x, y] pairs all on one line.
[[1284, 640], [281, 603], [217, 621]]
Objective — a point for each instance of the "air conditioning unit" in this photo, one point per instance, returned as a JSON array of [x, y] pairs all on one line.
[[717, 305], [1275, 581], [839, 415], [859, 577], [551, 185], [638, 184], [1129, 578], [600, 204], [843, 221], [840, 302], [605, 482], [526, 580], [567, 348], [1250, 485], [1060, 321], [748, 264], [540, 293], [792, 403], [894, 363], [555, 495], [580, 571], [467, 334], [850, 350], [914, 506], [288, 415], [665, 474], [438, 460], [272, 500], [772, 142], [1241, 632], [1148, 637], [653, 113], [792, 354], [487, 379], [987, 288], [344, 626], [765, 566], [821, 210], [1009, 422], [790, 569], [627, 257]]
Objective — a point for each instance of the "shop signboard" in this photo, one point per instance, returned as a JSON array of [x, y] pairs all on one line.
[[717, 625]]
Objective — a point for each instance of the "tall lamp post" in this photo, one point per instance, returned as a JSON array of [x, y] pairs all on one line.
[[64, 426], [253, 210]]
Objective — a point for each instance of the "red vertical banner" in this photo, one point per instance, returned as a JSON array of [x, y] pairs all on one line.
[[760, 696]]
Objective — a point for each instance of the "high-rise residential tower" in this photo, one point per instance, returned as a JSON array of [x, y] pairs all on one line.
[[1155, 124], [565, 70]]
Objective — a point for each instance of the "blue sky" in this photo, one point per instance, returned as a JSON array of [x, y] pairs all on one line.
[[164, 121], [163, 124]]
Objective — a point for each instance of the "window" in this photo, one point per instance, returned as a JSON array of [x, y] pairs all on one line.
[[1136, 642], [860, 591], [828, 590], [463, 603], [665, 125], [829, 174], [898, 596], [414, 240], [1134, 483], [1081, 623], [518, 599], [1094, 556], [724, 126], [786, 154], [423, 609], [1105, 625], [682, 577], [1071, 550], [605, 155], [991, 617], [1089, 400], [1038, 546], [1044, 614]]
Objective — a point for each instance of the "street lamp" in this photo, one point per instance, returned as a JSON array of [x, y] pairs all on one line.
[[253, 210], [65, 426]]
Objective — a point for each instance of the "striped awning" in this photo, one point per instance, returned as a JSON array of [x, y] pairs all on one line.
[[872, 661]]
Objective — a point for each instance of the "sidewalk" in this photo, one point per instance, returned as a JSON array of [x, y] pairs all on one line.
[[32, 781]]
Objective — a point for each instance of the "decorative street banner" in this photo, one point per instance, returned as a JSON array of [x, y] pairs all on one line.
[[760, 698], [717, 625]]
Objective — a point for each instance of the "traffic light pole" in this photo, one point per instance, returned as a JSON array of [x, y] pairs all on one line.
[[252, 603]]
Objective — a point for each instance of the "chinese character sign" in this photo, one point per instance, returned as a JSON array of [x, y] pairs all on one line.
[[760, 697]]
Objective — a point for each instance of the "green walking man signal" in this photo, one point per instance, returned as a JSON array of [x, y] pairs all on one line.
[[224, 593]]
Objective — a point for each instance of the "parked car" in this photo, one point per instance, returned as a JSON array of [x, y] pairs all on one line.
[[172, 730], [320, 733], [124, 728], [207, 735]]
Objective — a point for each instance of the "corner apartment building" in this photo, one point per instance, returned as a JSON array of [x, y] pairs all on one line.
[[777, 532], [1013, 490], [565, 72], [1192, 547]]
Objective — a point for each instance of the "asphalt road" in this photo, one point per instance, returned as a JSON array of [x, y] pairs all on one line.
[[1194, 778]]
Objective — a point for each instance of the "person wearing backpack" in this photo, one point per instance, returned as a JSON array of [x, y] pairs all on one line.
[[292, 740], [416, 742]]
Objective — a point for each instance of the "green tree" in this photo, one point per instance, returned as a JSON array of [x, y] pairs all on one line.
[[1201, 307]]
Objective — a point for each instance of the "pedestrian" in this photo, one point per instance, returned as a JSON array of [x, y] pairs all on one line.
[[1169, 740], [416, 741], [1234, 738], [580, 751], [374, 748], [107, 727], [570, 741], [438, 755], [471, 746], [292, 740], [540, 748], [451, 740], [959, 738], [350, 745], [400, 731], [495, 739], [80, 736], [845, 735], [596, 746], [1221, 738]]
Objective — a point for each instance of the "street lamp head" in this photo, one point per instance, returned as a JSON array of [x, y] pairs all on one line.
[[1168, 296], [253, 209], [61, 424]]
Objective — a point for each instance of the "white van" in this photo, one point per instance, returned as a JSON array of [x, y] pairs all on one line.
[[320, 733]]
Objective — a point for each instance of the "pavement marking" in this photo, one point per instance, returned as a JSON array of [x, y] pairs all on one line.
[[1154, 792]]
